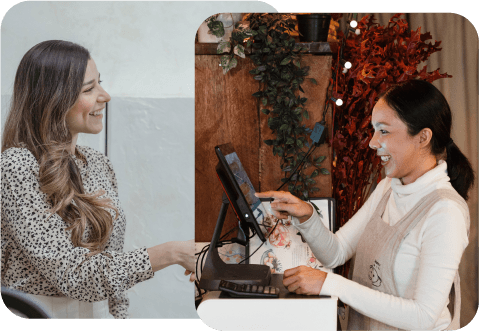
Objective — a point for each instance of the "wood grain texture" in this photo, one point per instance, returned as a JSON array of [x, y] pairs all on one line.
[[226, 111]]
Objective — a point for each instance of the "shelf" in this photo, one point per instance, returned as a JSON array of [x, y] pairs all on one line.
[[314, 48]]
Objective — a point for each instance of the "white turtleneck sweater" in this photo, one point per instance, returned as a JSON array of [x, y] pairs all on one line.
[[433, 250]]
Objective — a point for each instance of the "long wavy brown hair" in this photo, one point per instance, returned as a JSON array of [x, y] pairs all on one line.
[[47, 85]]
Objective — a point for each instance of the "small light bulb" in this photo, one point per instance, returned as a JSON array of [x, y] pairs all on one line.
[[345, 70], [358, 32], [353, 24], [338, 102], [345, 64]]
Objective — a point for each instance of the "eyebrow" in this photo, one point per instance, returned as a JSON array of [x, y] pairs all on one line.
[[91, 81], [379, 123]]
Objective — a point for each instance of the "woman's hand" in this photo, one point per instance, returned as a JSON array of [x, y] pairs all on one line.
[[304, 280], [174, 252], [192, 275], [186, 257], [286, 204]]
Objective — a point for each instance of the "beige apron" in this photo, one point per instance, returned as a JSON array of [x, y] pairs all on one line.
[[376, 253]]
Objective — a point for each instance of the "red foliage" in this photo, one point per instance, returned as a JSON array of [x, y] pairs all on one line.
[[380, 56]]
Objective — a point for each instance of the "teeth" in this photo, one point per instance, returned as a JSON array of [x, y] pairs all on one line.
[[96, 113], [385, 158]]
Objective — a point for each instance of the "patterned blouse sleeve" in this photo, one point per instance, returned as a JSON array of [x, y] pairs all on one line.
[[118, 304], [47, 244]]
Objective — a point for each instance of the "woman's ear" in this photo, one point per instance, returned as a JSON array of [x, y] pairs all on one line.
[[425, 137]]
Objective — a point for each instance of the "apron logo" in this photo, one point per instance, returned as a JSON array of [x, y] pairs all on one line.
[[374, 274]]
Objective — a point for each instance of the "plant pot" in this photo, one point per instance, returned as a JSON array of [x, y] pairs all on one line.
[[313, 27], [229, 20]]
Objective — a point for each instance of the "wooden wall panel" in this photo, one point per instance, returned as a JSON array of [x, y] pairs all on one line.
[[226, 111]]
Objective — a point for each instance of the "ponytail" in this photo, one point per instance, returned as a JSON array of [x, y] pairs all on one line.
[[459, 170]]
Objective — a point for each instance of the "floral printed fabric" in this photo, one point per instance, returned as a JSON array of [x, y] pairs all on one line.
[[38, 256]]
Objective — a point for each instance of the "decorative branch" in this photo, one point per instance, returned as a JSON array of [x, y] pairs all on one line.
[[381, 56]]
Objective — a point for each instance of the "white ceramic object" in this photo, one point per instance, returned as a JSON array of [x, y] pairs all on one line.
[[229, 20]]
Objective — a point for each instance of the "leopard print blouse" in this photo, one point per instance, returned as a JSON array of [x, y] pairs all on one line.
[[38, 256]]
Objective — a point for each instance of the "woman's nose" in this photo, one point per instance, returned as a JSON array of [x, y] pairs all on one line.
[[373, 143], [104, 96]]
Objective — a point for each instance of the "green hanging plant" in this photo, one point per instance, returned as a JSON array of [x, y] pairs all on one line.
[[280, 74]]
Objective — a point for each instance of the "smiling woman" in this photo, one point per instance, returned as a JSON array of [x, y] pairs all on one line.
[[86, 115], [408, 238], [62, 223]]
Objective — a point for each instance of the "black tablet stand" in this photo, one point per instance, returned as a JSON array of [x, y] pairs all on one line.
[[216, 270]]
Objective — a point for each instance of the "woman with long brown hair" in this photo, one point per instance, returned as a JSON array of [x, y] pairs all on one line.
[[62, 227]]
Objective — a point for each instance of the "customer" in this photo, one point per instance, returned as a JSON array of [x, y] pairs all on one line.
[[62, 223]]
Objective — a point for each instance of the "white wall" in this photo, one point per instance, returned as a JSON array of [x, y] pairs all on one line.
[[145, 53]]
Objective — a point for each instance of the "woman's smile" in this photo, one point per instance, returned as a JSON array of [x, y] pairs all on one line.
[[97, 113]]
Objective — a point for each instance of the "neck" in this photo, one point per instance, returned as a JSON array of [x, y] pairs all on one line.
[[74, 143], [426, 165]]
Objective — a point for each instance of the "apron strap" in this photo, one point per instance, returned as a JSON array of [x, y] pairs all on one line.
[[455, 301]]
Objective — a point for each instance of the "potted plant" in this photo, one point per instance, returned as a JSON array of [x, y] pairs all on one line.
[[313, 27], [218, 27]]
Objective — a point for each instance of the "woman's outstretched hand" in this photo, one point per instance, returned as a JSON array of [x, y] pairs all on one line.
[[174, 252], [304, 280], [286, 204], [187, 258]]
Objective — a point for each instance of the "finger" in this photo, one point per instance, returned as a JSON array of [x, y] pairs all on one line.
[[187, 272], [273, 194], [286, 207], [290, 280], [290, 272], [192, 277], [293, 287], [280, 214]]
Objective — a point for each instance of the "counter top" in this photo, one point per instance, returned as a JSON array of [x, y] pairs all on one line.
[[289, 312]]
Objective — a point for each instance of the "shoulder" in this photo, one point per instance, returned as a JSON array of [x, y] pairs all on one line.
[[93, 156], [448, 216], [381, 189], [16, 158], [96, 158], [89, 152], [450, 202]]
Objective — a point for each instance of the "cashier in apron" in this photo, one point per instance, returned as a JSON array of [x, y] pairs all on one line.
[[408, 238]]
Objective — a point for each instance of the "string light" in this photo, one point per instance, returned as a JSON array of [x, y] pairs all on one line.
[[338, 102], [356, 31], [353, 24], [345, 64]]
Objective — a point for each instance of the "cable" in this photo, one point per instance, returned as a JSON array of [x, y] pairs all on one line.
[[299, 170], [262, 242], [297, 166]]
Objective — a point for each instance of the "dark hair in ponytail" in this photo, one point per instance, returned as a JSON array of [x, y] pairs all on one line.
[[419, 104]]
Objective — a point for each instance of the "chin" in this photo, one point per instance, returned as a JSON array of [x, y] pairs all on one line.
[[95, 130]]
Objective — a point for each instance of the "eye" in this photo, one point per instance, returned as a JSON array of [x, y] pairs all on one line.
[[88, 90], [383, 131]]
